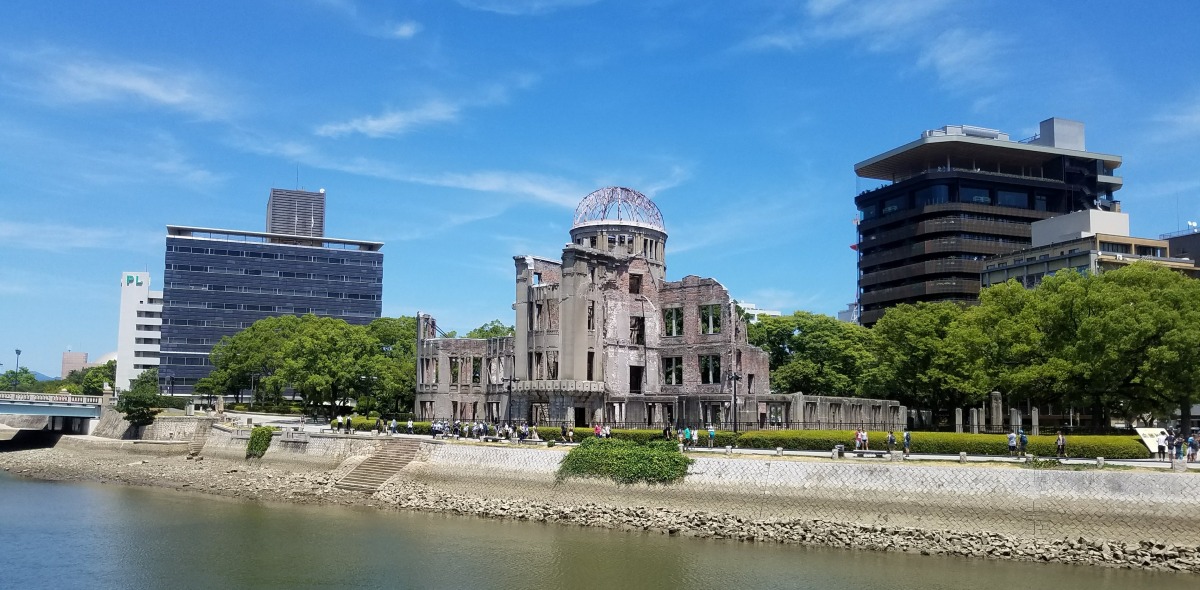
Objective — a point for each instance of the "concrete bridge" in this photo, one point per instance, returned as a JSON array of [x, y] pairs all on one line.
[[62, 411]]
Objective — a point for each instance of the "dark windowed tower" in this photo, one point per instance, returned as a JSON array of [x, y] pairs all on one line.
[[218, 282], [960, 194]]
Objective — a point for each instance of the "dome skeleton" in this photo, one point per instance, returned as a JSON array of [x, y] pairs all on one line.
[[618, 204]]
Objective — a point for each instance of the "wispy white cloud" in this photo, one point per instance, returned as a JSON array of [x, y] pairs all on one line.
[[539, 187], [415, 229], [137, 160], [59, 237], [393, 123], [370, 24], [403, 30], [527, 186], [524, 7], [1179, 119], [960, 57], [61, 77]]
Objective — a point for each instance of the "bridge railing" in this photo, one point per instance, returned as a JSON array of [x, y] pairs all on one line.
[[47, 398]]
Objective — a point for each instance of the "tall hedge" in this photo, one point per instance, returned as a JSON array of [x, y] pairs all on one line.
[[625, 461], [947, 443], [260, 441]]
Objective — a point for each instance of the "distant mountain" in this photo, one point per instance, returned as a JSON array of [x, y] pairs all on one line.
[[41, 377]]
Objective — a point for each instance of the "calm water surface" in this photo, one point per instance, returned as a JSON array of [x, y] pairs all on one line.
[[70, 535]]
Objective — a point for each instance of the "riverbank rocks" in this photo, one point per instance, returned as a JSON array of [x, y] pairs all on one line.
[[405, 493]]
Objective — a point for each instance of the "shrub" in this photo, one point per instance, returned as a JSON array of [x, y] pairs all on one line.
[[138, 407], [239, 407], [372, 414], [260, 441], [625, 461], [169, 401]]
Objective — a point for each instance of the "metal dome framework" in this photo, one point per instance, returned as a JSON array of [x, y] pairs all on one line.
[[618, 204]]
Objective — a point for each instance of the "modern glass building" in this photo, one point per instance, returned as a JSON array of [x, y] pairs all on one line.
[[218, 282]]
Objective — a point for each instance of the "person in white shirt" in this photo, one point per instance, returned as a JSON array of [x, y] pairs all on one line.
[[1162, 445]]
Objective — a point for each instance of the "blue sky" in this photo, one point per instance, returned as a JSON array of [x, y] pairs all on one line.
[[463, 133]]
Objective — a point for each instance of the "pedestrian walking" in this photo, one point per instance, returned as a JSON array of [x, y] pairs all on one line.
[[891, 441], [410, 426], [1012, 444], [1161, 441], [712, 436], [1022, 444], [1060, 445], [907, 441], [695, 438]]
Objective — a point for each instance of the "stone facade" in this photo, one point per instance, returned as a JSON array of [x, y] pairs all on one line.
[[601, 337]]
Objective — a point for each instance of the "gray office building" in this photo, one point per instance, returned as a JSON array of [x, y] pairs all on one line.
[[296, 212], [218, 282]]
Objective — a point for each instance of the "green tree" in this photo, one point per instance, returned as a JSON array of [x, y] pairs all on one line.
[[145, 382], [18, 380], [247, 360], [95, 378], [492, 329], [138, 407], [398, 341], [330, 362], [909, 342], [998, 346], [813, 353]]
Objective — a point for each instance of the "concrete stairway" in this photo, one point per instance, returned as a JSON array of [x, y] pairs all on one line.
[[386, 462], [199, 437]]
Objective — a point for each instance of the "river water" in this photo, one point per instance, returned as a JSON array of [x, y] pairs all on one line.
[[79, 535]]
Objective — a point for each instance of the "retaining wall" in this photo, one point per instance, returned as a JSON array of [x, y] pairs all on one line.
[[1114, 504], [320, 450]]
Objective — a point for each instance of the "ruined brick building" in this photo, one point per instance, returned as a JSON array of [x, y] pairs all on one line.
[[601, 336]]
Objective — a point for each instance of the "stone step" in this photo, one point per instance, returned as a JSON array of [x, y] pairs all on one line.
[[393, 456]]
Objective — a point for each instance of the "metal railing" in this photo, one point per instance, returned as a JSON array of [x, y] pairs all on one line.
[[60, 398]]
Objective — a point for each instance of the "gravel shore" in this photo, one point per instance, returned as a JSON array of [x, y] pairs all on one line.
[[410, 490], [249, 480]]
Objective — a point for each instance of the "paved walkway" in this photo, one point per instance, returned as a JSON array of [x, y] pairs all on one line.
[[293, 422]]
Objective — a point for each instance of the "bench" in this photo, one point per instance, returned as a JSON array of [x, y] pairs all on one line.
[[863, 453], [492, 439]]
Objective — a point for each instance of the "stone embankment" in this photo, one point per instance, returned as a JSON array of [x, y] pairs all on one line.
[[408, 494], [249, 480]]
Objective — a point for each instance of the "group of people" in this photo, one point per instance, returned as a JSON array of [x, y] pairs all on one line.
[[689, 437], [862, 441], [1018, 442], [1176, 446], [470, 429], [346, 424]]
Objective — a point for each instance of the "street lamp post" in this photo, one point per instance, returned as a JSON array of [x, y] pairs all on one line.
[[734, 377], [18, 360], [508, 381]]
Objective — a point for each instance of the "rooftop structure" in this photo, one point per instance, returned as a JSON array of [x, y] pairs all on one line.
[[296, 212]]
